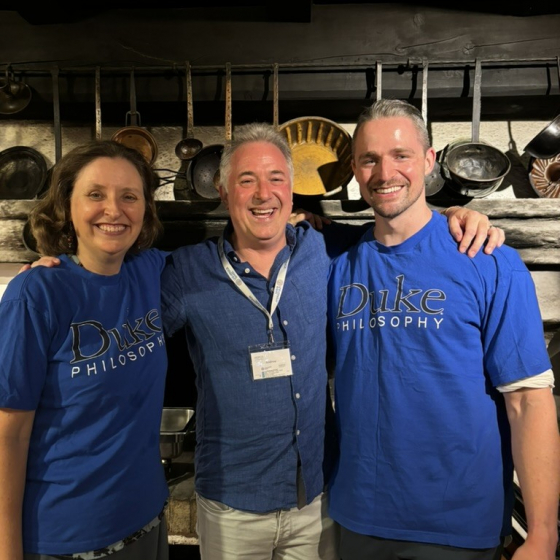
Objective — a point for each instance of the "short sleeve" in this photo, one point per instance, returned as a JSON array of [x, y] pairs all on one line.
[[172, 307], [24, 344], [156, 257], [513, 338]]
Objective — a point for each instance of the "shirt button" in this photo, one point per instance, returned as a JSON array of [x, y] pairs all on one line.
[[293, 357], [298, 395], [235, 259], [247, 270], [285, 322], [297, 433]]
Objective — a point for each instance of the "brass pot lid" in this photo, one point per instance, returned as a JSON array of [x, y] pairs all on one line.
[[544, 176], [322, 155]]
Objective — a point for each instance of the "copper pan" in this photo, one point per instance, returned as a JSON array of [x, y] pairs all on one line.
[[133, 135]]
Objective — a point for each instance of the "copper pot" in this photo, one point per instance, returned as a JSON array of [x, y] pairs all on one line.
[[133, 135]]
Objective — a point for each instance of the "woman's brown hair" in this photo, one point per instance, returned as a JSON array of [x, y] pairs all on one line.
[[51, 223]]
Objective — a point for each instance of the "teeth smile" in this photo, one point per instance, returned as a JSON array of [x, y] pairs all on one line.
[[262, 212], [387, 190], [111, 228]]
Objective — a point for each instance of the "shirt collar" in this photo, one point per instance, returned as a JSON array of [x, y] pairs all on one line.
[[291, 239]]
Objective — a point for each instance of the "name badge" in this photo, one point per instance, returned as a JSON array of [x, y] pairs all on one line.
[[270, 360]]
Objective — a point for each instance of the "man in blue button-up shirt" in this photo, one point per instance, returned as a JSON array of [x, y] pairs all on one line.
[[253, 306], [260, 441]]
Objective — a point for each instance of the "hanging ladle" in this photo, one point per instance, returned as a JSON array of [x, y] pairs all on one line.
[[188, 147]]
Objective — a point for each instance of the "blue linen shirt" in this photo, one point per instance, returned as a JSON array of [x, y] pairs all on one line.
[[251, 433]]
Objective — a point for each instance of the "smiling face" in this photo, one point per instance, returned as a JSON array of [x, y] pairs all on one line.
[[258, 197], [390, 164], [107, 209]]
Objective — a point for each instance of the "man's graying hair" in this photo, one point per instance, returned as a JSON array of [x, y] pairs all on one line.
[[387, 108], [254, 132]]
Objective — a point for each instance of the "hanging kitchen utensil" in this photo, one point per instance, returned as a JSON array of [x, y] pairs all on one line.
[[275, 91], [476, 169], [434, 181], [546, 144], [544, 170], [229, 124], [321, 150], [97, 103], [544, 176], [202, 170], [204, 167], [56, 115], [378, 80], [188, 147], [322, 154], [14, 96], [133, 135], [22, 173], [57, 132]]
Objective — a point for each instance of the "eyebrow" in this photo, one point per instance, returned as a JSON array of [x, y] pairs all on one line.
[[127, 188], [253, 174], [394, 151]]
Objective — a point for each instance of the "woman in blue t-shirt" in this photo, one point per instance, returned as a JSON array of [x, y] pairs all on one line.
[[82, 370]]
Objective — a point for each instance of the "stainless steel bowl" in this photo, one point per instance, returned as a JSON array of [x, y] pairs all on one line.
[[175, 419], [174, 428], [171, 444]]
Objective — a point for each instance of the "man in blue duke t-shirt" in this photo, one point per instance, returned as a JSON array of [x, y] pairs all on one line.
[[442, 379]]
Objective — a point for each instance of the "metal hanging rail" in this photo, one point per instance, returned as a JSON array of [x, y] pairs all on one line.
[[303, 66]]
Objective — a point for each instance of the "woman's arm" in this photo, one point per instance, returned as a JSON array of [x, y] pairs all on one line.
[[15, 431]]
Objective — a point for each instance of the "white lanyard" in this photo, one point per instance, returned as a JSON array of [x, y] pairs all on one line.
[[243, 288]]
